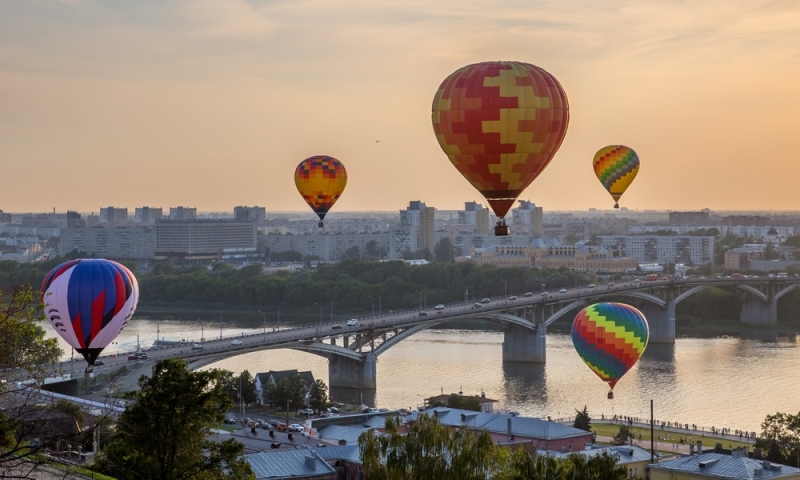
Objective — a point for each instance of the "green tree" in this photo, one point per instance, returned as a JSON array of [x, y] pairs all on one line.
[[248, 383], [780, 437], [770, 253], [444, 251], [582, 420], [298, 390], [318, 395], [352, 253], [163, 434], [623, 436]]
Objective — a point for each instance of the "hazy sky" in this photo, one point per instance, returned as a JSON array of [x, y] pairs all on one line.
[[212, 104]]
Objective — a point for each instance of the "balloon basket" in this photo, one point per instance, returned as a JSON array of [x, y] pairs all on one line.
[[611, 395], [500, 230], [616, 205], [320, 225]]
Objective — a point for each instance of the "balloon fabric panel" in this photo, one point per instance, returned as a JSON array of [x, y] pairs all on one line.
[[610, 338], [500, 123], [616, 166], [320, 180]]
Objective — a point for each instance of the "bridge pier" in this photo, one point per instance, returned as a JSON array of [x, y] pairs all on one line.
[[346, 372], [758, 312], [661, 322], [522, 344]]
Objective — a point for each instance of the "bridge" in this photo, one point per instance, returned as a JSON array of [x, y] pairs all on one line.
[[352, 348]]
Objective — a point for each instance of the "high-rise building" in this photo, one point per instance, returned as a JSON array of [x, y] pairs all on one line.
[[115, 243], [527, 218], [204, 239], [74, 220], [475, 217], [663, 249], [148, 215], [415, 233], [113, 215], [689, 218], [182, 213], [254, 214]]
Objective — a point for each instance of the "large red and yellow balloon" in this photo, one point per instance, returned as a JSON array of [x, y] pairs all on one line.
[[500, 124], [616, 166], [320, 180]]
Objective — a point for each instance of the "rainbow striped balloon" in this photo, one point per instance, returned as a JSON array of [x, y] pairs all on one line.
[[610, 337], [616, 166]]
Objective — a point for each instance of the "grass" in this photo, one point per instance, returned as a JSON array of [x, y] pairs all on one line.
[[709, 441]]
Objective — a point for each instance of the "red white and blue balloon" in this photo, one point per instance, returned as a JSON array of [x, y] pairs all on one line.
[[88, 302]]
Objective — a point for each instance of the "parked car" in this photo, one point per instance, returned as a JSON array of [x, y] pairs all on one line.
[[333, 410], [336, 326], [296, 428], [197, 346], [563, 290], [281, 427], [236, 342], [485, 300], [306, 411], [423, 314], [351, 323], [120, 403], [230, 421], [439, 307], [274, 423], [528, 294]]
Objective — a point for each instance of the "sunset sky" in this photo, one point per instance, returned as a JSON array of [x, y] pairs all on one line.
[[212, 104]]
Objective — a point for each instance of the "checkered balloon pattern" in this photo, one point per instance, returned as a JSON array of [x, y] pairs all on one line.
[[320, 180], [610, 337], [500, 124], [616, 166]]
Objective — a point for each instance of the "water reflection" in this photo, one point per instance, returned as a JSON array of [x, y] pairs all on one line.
[[524, 383]]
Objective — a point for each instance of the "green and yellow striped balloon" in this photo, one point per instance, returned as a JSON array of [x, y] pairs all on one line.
[[616, 166]]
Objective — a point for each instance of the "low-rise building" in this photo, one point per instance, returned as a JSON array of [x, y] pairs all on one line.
[[579, 258], [631, 457], [717, 466], [663, 249]]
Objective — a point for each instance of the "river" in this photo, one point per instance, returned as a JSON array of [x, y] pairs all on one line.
[[721, 382]]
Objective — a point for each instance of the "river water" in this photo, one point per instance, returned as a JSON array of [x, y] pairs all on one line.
[[721, 382]]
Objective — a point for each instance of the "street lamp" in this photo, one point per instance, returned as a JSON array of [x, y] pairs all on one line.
[[264, 315], [373, 304], [320, 315], [466, 292], [420, 298], [202, 333], [505, 287]]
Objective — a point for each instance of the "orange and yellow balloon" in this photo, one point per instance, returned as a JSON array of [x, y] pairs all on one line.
[[500, 124], [320, 180], [616, 166]]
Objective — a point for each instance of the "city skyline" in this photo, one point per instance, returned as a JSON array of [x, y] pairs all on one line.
[[154, 103]]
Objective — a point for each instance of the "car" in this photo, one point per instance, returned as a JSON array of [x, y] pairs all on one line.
[[610, 284], [230, 421], [544, 294], [306, 411], [563, 290], [197, 346], [142, 356], [423, 314], [476, 305], [281, 427], [403, 411], [273, 423], [512, 297], [485, 300], [333, 410], [236, 342], [591, 285], [296, 428], [528, 294], [133, 356], [336, 326], [120, 403], [99, 363], [439, 307], [636, 280], [352, 323], [267, 426]]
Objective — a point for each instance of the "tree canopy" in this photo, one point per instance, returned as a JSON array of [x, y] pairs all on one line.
[[164, 432]]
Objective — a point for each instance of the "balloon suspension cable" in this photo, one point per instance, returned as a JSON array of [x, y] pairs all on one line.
[[616, 205], [500, 228], [320, 224]]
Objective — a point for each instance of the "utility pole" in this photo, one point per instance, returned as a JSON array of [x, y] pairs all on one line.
[[220, 327]]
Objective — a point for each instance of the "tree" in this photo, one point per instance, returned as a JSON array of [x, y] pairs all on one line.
[[780, 437], [298, 390], [444, 251], [623, 436], [318, 395], [352, 253], [770, 253], [248, 383], [582, 420], [163, 434]]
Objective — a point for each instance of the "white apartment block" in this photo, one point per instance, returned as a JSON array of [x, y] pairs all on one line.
[[758, 232], [527, 218], [328, 247], [663, 249]]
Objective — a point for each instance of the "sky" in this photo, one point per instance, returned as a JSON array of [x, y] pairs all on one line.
[[212, 104]]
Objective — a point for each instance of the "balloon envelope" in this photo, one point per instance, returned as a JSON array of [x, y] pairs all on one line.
[[616, 166], [500, 123], [610, 337], [88, 302], [320, 180]]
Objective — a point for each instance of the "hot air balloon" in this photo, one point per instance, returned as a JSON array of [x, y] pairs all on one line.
[[88, 302], [500, 124], [610, 337], [320, 180], [616, 166]]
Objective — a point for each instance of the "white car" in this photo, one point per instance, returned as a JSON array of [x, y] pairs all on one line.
[[563, 290], [439, 307], [512, 297], [296, 428], [236, 342], [591, 285], [351, 323]]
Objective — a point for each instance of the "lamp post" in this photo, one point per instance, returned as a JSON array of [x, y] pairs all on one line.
[[202, 332], [543, 285], [373, 304], [505, 287], [320, 316], [420, 298], [466, 292], [264, 316]]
